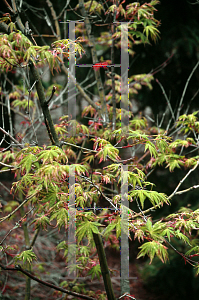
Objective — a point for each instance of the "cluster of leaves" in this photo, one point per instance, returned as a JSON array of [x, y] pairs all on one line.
[[136, 82], [142, 24], [16, 50], [25, 99], [45, 179], [43, 173]]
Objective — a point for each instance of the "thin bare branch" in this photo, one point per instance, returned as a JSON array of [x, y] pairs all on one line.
[[185, 88], [16, 209], [13, 139], [20, 269], [183, 179], [53, 13], [167, 99]]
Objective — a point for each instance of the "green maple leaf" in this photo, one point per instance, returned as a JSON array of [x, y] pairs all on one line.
[[86, 229]]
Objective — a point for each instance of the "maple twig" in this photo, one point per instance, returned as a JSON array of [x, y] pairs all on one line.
[[187, 190], [53, 13], [79, 147], [17, 224], [52, 94], [185, 88], [20, 269], [182, 180], [13, 139], [16, 209], [91, 182], [174, 192], [8, 5]]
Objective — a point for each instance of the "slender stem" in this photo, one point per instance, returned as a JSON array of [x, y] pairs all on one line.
[[10, 8], [16, 111], [182, 180], [13, 139], [47, 116], [53, 13], [34, 237], [167, 99], [80, 89], [19, 268], [175, 192], [185, 88], [104, 266], [18, 207]]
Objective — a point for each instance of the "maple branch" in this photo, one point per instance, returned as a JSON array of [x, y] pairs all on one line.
[[80, 89], [17, 224], [16, 111], [97, 188], [20, 269], [13, 139], [104, 266], [52, 94], [184, 91], [167, 99], [47, 116], [8, 5], [187, 190], [79, 147], [174, 192], [11, 168], [40, 89], [34, 238], [182, 180], [53, 13], [16, 209]]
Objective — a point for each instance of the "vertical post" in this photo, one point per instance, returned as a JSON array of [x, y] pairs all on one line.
[[125, 287], [72, 132], [124, 78], [72, 225], [124, 247], [72, 86]]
